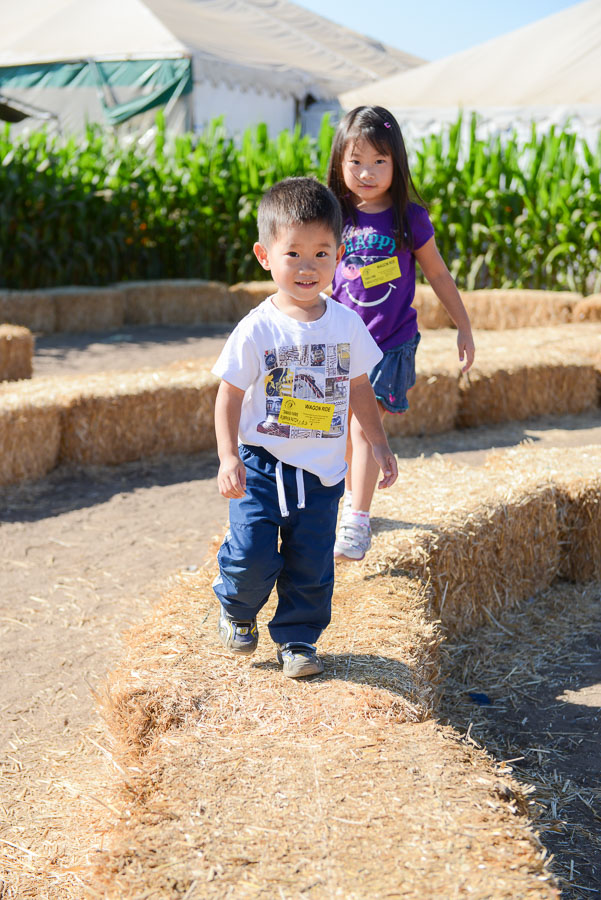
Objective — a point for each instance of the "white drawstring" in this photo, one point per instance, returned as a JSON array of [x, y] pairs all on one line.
[[279, 480], [300, 488]]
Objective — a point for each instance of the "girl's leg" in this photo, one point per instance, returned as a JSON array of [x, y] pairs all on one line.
[[354, 534], [348, 481], [391, 378], [365, 470]]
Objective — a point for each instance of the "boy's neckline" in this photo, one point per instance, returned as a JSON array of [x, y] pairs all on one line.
[[301, 321]]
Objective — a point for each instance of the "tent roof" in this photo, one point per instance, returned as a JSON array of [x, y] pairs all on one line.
[[39, 31], [556, 60], [276, 44], [272, 45]]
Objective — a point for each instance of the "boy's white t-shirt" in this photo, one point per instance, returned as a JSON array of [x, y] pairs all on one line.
[[277, 361]]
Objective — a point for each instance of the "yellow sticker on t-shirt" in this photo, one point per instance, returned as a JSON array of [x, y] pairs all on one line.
[[380, 272], [305, 414]]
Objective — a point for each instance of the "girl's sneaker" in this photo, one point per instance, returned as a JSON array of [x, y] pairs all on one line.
[[299, 659], [353, 540], [239, 637]]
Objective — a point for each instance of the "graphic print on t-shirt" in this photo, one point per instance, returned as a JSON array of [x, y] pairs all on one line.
[[317, 376], [365, 247]]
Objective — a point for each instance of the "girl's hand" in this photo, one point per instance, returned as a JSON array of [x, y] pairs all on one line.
[[386, 459], [231, 478], [467, 350]]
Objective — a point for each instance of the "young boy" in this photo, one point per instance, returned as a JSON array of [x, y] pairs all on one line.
[[289, 371]]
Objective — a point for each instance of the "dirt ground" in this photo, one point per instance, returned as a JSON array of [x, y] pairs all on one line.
[[86, 551]]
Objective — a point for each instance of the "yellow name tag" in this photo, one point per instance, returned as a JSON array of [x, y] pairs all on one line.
[[380, 272], [316, 416]]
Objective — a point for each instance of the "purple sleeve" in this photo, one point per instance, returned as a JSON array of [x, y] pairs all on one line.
[[421, 225]]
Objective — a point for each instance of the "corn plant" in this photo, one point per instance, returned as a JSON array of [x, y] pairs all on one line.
[[511, 215], [92, 210]]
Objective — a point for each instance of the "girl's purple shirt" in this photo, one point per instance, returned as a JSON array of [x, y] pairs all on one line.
[[385, 308]]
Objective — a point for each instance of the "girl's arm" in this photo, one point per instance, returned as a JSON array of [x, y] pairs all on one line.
[[231, 478], [365, 408], [434, 268]]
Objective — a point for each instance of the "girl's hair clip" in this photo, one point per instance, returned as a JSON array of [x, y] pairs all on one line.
[[386, 124]]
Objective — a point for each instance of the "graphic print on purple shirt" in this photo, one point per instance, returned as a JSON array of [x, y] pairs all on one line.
[[385, 308]]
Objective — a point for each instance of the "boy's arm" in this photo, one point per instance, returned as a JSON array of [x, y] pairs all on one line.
[[231, 478], [365, 408], [441, 281]]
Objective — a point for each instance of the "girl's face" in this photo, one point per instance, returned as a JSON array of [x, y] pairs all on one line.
[[367, 173]]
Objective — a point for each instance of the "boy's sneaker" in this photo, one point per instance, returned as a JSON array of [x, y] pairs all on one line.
[[353, 540], [237, 636], [299, 659]]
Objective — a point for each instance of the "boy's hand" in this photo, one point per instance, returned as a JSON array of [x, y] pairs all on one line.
[[231, 478], [386, 459], [467, 350]]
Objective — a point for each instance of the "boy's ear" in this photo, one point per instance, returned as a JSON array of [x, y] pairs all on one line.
[[261, 253], [339, 253]]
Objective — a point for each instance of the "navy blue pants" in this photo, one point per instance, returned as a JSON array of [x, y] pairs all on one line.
[[302, 568]]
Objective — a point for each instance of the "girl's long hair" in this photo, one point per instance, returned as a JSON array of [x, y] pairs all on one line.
[[378, 126]]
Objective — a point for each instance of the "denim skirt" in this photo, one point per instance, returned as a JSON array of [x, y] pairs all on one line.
[[392, 377]]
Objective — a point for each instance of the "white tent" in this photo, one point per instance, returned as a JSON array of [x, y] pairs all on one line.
[[549, 71], [115, 61], [89, 60]]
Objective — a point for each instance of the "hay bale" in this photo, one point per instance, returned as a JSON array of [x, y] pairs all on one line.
[[118, 417], [516, 392], [192, 302], [140, 306], [531, 372], [16, 352], [31, 309], [508, 309], [498, 310], [430, 311], [576, 474], [527, 372], [176, 302], [588, 309], [29, 432], [248, 294], [87, 308], [483, 541], [433, 405]]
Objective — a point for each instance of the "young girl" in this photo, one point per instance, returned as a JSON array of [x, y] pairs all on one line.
[[384, 234]]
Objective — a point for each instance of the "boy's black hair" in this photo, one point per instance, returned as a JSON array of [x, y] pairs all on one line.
[[378, 126], [297, 201]]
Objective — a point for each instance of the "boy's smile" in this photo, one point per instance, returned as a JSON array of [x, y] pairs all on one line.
[[302, 260]]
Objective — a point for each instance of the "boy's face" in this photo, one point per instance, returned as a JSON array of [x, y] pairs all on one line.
[[302, 260]]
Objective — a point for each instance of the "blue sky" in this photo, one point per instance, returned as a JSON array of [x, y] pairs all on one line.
[[433, 29]]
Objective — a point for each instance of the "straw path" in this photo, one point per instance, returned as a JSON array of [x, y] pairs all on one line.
[[343, 785], [536, 669], [186, 718], [335, 788]]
